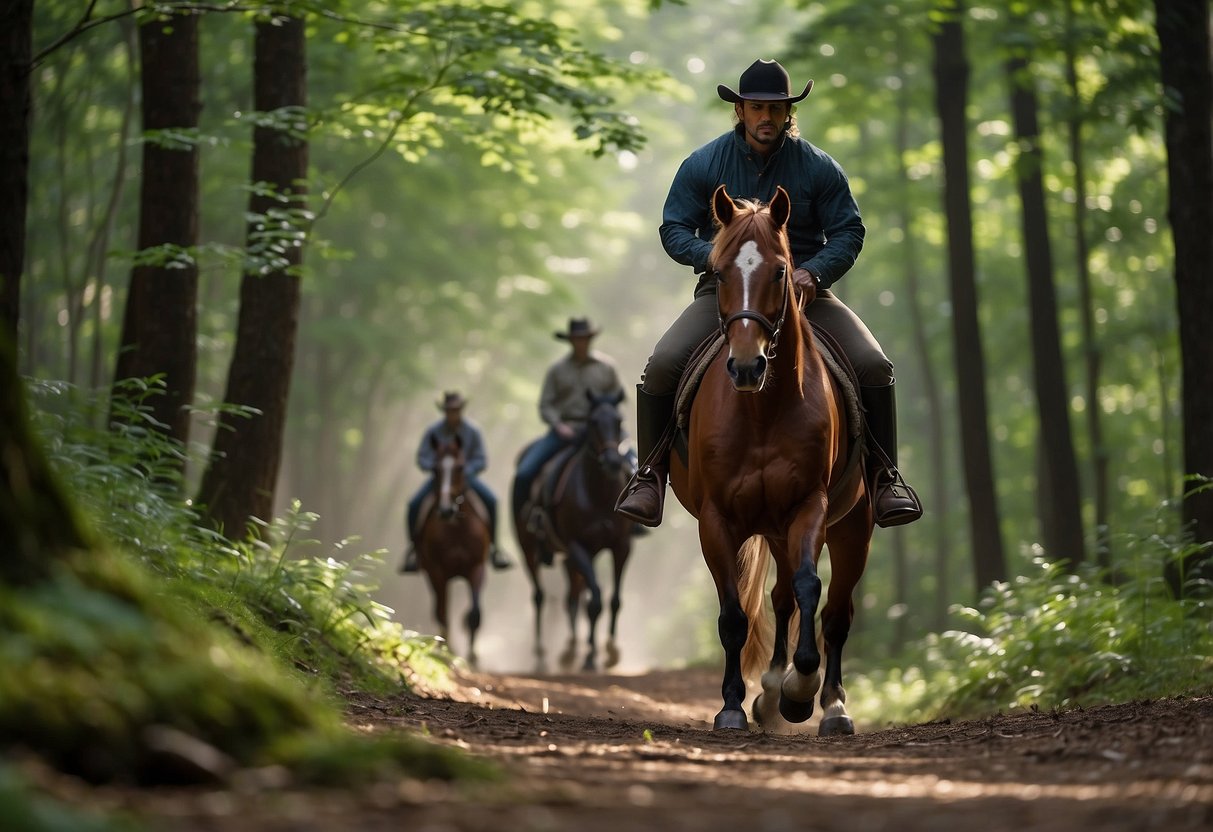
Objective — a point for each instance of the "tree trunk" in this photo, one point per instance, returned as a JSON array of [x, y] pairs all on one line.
[[16, 38], [241, 479], [951, 71], [1092, 353], [160, 322], [941, 516], [1183, 35], [1061, 508], [37, 523]]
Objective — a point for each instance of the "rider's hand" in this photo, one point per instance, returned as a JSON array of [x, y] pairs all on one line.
[[564, 430], [806, 284]]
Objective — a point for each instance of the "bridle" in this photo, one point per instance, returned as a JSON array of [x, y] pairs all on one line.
[[450, 463], [772, 328]]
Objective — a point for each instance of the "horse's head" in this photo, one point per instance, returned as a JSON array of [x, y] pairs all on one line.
[[752, 264], [604, 431], [449, 473]]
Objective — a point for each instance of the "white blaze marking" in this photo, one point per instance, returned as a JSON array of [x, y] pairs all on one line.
[[748, 260]]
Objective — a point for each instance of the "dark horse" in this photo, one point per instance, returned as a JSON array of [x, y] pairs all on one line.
[[770, 474], [453, 541], [581, 522]]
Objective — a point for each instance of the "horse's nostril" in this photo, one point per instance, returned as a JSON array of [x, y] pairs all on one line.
[[731, 366]]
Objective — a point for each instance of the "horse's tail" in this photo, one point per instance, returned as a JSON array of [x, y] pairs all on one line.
[[753, 563]]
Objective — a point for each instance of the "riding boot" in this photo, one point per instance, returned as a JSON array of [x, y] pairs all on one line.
[[498, 558], [643, 498], [894, 502]]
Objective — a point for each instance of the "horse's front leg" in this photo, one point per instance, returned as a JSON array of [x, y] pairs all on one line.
[[472, 620], [720, 546], [803, 679], [849, 539], [619, 557], [581, 559], [766, 705], [439, 585]]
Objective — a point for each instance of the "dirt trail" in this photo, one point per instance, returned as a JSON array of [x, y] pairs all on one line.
[[600, 752]]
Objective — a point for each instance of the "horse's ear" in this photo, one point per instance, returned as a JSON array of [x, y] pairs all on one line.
[[723, 206], [781, 206]]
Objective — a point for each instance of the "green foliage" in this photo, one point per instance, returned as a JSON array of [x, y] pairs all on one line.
[[1055, 639], [239, 645], [23, 811]]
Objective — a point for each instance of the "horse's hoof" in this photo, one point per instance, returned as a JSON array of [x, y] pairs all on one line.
[[756, 710], [836, 726], [612, 654], [731, 719], [793, 711]]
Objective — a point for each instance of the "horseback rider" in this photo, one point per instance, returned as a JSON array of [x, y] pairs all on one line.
[[563, 404], [762, 151], [453, 425]]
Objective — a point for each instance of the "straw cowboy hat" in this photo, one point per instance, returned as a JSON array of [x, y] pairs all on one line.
[[451, 401], [763, 81], [578, 327]]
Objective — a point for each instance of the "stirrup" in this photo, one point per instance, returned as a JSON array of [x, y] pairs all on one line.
[[894, 503], [647, 477], [498, 558]]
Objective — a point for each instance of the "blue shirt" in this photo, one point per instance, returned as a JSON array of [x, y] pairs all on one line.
[[825, 229], [474, 458]]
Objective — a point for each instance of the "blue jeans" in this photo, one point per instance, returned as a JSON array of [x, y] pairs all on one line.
[[490, 502], [533, 460]]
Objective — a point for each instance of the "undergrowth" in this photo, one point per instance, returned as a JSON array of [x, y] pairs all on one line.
[[167, 633], [315, 612], [1056, 638]]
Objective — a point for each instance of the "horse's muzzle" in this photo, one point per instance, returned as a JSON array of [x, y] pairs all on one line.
[[748, 375]]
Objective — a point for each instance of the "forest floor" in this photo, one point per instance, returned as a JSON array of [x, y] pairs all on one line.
[[607, 752]]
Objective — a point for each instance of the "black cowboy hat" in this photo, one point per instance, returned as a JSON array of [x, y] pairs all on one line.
[[578, 327], [451, 401], [763, 81]]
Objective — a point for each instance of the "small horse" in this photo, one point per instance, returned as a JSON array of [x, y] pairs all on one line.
[[769, 474], [453, 541], [581, 521]]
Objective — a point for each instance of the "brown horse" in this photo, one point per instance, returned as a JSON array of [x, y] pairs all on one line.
[[453, 541], [769, 475], [581, 522]]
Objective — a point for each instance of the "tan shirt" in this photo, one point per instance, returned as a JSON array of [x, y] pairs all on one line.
[[564, 387]]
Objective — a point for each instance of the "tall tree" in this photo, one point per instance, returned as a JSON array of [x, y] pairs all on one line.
[[160, 322], [240, 481], [951, 69], [1184, 62], [16, 43], [1058, 495], [1092, 351]]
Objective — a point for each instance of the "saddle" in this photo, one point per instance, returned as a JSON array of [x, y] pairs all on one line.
[[547, 490], [837, 364], [430, 504]]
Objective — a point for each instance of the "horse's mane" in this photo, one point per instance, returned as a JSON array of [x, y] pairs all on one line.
[[752, 221]]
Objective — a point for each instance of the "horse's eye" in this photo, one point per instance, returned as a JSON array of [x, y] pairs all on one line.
[[779, 274], [718, 275]]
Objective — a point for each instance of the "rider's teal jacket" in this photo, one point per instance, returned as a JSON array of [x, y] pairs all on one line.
[[825, 229]]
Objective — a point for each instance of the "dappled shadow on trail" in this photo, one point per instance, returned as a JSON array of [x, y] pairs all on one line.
[[592, 752]]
